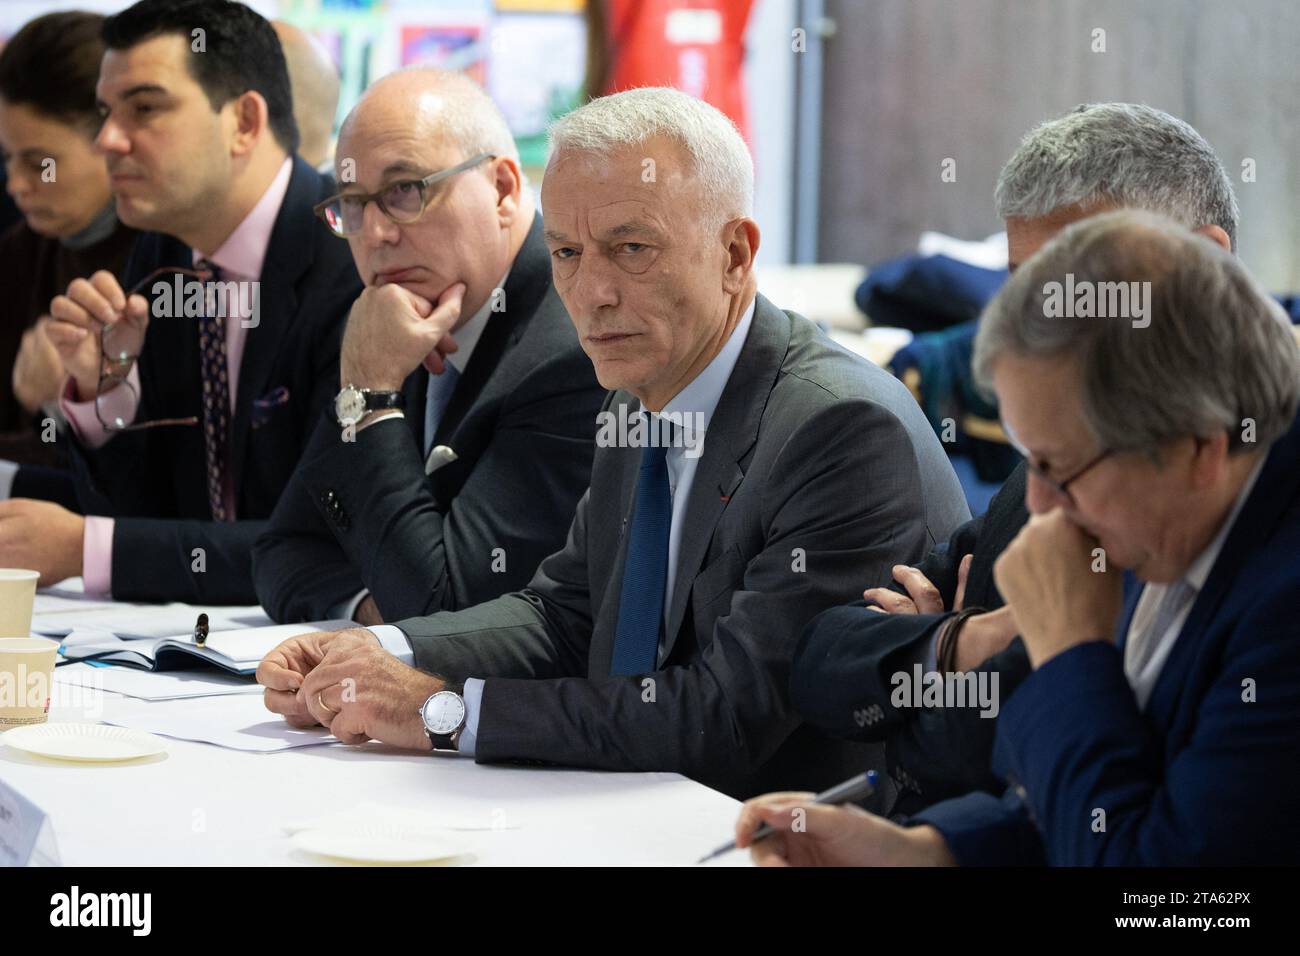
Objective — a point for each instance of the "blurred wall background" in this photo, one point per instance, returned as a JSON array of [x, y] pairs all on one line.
[[908, 83], [854, 105]]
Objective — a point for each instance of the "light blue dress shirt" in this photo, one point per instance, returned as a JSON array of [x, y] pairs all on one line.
[[693, 409]]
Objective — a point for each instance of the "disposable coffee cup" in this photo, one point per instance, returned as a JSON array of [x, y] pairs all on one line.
[[26, 673], [17, 595]]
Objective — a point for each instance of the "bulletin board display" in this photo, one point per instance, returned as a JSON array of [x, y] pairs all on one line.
[[530, 55]]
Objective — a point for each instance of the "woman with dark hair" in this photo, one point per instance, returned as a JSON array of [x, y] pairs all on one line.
[[48, 122]]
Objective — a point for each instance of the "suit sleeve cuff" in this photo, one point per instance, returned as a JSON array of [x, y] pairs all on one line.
[[374, 418], [97, 555], [981, 830]]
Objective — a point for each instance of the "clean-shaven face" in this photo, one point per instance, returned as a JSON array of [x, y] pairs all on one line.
[[167, 151], [639, 272], [460, 237]]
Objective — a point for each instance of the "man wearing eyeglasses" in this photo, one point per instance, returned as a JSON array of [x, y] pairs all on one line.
[[461, 436], [186, 436], [946, 616], [1157, 728]]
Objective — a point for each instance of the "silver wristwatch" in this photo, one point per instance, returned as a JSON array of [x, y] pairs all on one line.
[[444, 716], [352, 403]]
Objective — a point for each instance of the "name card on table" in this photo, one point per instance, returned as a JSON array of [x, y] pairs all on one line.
[[26, 835]]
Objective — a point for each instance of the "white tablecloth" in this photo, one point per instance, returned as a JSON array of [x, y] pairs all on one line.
[[201, 804], [204, 805]]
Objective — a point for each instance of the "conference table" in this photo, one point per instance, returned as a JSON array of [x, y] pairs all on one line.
[[203, 804]]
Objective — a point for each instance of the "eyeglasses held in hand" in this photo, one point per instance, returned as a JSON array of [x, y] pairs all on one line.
[[116, 358]]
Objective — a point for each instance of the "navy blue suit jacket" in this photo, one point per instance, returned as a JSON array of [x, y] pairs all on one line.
[[1209, 773]]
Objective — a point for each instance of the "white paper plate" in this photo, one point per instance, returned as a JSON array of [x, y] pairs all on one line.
[[378, 843], [86, 742]]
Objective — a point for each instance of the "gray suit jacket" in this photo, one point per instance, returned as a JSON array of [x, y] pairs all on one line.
[[819, 473]]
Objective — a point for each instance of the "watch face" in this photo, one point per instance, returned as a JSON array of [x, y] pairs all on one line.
[[443, 712], [350, 405]]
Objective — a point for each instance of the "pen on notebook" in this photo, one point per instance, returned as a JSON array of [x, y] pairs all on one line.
[[201, 630], [850, 791]]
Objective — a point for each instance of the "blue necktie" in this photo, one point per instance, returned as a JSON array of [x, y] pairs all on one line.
[[645, 572], [436, 400]]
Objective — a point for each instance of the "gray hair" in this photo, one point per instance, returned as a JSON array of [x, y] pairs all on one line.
[[1217, 350], [1127, 154], [722, 163]]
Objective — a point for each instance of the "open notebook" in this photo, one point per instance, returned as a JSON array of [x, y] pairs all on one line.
[[237, 651]]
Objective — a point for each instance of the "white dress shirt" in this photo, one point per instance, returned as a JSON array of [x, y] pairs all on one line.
[[1146, 648]]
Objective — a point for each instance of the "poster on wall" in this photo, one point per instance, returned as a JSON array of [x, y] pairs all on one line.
[[451, 46], [535, 74]]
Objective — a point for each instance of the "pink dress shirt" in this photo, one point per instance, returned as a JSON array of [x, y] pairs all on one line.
[[240, 259]]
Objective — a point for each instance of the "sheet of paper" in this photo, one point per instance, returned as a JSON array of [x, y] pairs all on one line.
[[145, 685], [57, 601], [252, 644], [144, 620], [67, 606], [235, 721]]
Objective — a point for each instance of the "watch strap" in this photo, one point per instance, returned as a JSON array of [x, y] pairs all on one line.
[[380, 400]]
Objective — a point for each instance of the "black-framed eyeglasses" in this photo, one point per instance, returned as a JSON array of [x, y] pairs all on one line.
[[403, 202], [1062, 487], [116, 359]]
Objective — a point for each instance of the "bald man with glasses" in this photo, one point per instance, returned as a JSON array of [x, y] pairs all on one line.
[[461, 435]]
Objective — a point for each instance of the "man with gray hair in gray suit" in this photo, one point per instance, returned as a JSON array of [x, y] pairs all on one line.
[[748, 474]]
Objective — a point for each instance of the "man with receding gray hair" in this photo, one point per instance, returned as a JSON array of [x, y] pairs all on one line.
[[462, 433], [748, 473], [1158, 726]]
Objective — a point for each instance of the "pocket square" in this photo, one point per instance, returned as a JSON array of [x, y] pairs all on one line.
[[264, 407], [439, 455]]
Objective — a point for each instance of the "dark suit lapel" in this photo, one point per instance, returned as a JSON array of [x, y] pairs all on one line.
[[284, 264], [1132, 594], [731, 434], [526, 286]]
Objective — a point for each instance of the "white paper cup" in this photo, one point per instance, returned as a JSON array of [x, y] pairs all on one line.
[[17, 595], [26, 673]]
